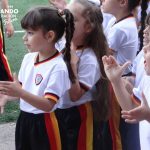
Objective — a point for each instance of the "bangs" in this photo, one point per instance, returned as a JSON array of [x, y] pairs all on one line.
[[32, 20]]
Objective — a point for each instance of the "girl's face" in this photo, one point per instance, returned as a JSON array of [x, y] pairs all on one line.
[[146, 35], [146, 50], [35, 40], [110, 6], [80, 23]]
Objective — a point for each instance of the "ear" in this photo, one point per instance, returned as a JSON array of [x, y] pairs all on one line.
[[88, 28], [123, 3], [50, 36]]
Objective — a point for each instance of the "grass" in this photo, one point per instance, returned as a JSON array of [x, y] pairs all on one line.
[[15, 51]]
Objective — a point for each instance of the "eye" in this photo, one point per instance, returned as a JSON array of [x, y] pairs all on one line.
[[30, 32]]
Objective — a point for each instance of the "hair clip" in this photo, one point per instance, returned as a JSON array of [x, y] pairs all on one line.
[[60, 12]]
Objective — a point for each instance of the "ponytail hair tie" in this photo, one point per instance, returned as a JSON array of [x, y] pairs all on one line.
[[60, 12]]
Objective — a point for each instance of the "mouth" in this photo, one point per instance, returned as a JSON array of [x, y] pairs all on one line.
[[145, 63], [27, 45]]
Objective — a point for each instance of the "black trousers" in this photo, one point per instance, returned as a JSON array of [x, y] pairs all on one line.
[[31, 132]]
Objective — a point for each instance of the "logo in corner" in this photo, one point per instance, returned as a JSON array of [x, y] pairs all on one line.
[[38, 79]]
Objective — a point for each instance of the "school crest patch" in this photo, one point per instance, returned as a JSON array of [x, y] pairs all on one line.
[[38, 79]]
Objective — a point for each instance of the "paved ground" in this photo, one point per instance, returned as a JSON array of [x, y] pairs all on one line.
[[7, 136]]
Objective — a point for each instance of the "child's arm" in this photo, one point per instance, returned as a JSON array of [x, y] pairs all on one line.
[[137, 114], [8, 25], [114, 73], [76, 90], [129, 83], [3, 100], [14, 89]]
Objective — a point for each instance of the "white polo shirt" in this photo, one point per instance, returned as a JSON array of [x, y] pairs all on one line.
[[122, 38], [138, 68], [48, 78], [88, 75], [144, 125]]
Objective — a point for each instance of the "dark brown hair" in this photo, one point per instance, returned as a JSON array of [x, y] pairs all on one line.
[[132, 4], [144, 6], [49, 18], [147, 21]]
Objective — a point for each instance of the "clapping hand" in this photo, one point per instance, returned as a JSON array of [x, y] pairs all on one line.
[[137, 114]]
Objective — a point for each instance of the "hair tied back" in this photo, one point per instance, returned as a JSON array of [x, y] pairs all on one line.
[[60, 12]]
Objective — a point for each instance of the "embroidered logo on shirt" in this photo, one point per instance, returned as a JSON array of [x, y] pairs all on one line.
[[38, 79]]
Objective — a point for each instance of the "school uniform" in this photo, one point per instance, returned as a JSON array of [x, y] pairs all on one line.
[[35, 128], [122, 39], [76, 118], [144, 126], [138, 68], [106, 18]]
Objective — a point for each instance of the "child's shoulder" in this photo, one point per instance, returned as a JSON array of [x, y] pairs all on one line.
[[88, 56], [128, 23], [29, 57], [59, 63]]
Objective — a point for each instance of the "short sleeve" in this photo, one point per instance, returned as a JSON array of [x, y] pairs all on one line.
[[137, 93], [57, 85], [115, 38], [136, 62], [88, 75]]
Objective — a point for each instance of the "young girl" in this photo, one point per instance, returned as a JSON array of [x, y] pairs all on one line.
[[77, 122], [43, 78], [122, 42], [126, 101], [122, 36]]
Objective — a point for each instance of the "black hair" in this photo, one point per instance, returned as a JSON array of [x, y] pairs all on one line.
[[132, 4], [147, 21], [50, 18], [144, 6]]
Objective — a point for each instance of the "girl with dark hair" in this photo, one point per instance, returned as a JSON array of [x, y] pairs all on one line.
[[80, 110], [43, 78]]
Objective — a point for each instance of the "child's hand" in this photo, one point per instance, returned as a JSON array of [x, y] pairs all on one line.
[[74, 57], [60, 4], [112, 69], [137, 114], [9, 29], [3, 101], [11, 88]]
